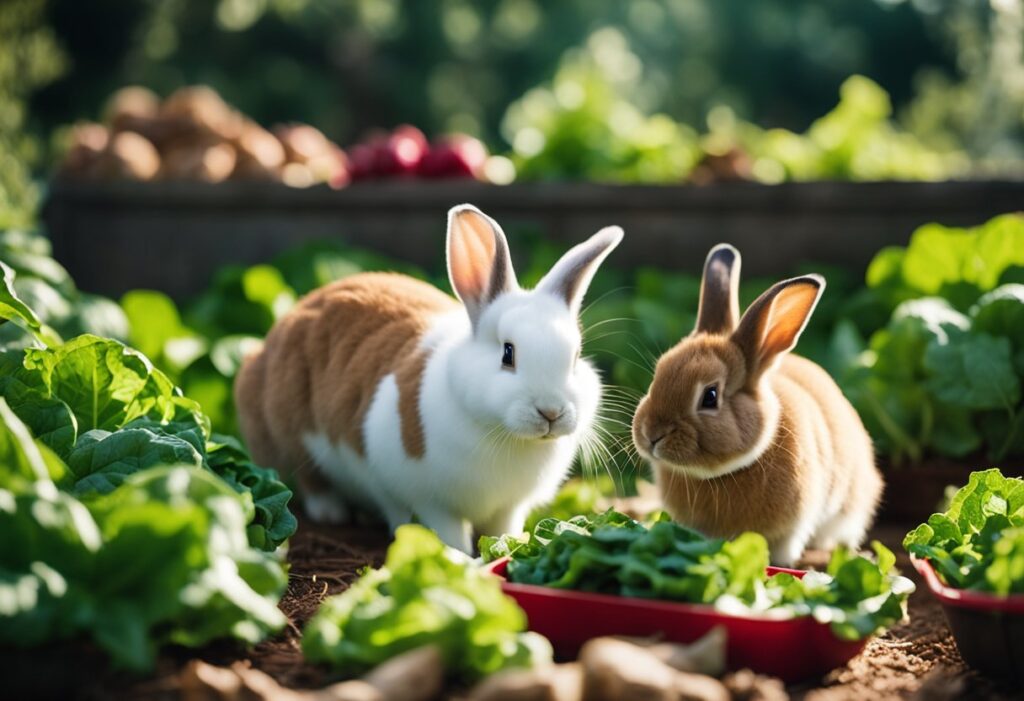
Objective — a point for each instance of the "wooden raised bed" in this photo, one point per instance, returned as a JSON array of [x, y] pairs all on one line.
[[172, 236]]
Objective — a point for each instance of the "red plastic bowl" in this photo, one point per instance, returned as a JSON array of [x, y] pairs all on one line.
[[793, 650], [988, 628]]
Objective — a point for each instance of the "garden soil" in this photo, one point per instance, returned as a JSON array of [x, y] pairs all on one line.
[[914, 660]]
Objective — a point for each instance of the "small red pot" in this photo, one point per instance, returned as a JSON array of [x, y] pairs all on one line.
[[988, 629], [794, 650]]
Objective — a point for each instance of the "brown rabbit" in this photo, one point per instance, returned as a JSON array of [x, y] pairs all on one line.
[[743, 436]]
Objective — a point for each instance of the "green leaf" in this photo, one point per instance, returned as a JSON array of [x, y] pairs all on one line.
[[23, 462], [978, 543], [101, 461], [104, 383], [1001, 313], [424, 594], [999, 247], [91, 314], [176, 535], [671, 562], [154, 320], [885, 556], [974, 371], [273, 522], [936, 256], [49, 419], [11, 307], [953, 431]]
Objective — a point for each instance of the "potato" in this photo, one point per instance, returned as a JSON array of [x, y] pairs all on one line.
[[199, 109], [133, 101], [128, 156], [206, 162], [615, 669], [555, 683], [87, 141], [417, 675], [745, 685], [303, 143], [699, 687], [703, 656], [260, 154]]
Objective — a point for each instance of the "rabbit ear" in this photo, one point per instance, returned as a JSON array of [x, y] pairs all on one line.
[[774, 321], [719, 292], [571, 275], [479, 264]]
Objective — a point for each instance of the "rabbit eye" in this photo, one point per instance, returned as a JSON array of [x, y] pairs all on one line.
[[709, 400], [508, 356]]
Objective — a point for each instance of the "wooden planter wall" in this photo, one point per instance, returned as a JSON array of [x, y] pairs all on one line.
[[173, 236]]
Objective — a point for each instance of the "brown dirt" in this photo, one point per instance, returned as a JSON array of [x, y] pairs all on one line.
[[914, 660]]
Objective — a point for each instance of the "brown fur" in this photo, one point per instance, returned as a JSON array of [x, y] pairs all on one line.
[[817, 427], [819, 449], [322, 363]]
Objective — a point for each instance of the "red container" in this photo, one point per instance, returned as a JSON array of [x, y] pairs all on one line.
[[988, 629], [793, 650]]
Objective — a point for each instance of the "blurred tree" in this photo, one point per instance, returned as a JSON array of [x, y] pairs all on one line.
[[350, 65], [983, 108], [29, 58]]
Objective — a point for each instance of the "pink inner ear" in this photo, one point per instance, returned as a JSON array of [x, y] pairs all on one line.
[[472, 253], [789, 313]]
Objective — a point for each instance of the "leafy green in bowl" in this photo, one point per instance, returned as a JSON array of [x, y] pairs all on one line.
[[978, 542], [611, 553]]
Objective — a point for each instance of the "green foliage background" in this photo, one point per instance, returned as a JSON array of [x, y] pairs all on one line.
[[350, 65]]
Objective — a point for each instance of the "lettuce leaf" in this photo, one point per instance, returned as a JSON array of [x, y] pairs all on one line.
[[108, 414], [424, 594], [977, 542], [163, 557]]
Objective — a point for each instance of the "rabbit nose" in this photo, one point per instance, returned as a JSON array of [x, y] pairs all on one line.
[[552, 415], [654, 436]]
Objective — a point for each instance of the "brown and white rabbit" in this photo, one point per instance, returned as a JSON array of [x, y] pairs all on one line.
[[382, 392], [744, 436]]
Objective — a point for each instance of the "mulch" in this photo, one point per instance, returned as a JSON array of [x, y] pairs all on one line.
[[914, 660]]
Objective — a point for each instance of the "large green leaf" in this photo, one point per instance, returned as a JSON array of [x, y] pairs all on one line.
[[973, 371], [23, 462], [218, 584], [423, 595], [1001, 313], [50, 419], [105, 383], [101, 461], [12, 307], [936, 256]]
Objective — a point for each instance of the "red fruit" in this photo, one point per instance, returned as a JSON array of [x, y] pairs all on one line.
[[457, 156], [408, 131], [362, 160], [401, 152]]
